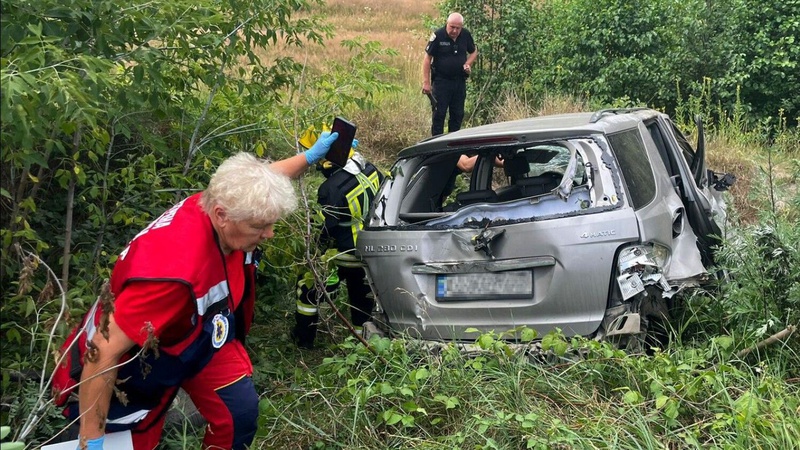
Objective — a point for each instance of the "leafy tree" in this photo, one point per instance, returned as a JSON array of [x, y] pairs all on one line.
[[90, 88], [659, 53], [109, 113], [770, 45]]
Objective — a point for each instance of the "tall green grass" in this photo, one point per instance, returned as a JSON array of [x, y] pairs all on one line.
[[593, 396]]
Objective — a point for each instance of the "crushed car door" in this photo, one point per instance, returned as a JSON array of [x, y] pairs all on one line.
[[679, 158]]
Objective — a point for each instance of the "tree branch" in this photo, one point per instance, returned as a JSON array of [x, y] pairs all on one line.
[[779, 336]]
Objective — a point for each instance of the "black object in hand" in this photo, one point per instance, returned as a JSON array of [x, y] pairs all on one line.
[[340, 149]]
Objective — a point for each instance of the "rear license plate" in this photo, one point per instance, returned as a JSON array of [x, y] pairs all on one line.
[[515, 284]]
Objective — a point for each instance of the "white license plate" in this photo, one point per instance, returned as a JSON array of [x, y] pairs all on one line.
[[485, 286]]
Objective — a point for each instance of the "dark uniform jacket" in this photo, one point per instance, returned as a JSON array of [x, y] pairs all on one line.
[[449, 56], [345, 199]]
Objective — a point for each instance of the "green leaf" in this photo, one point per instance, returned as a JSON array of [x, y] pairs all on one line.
[[632, 397], [724, 342], [528, 334], [485, 341], [138, 74], [410, 406], [12, 446], [12, 334], [391, 417], [30, 306], [420, 374]]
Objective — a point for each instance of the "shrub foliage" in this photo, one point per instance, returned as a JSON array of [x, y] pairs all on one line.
[[658, 53]]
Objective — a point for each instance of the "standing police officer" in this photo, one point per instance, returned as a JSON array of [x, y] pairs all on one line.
[[447, 64]]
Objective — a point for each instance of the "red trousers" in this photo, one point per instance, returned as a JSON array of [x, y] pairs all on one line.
[[226, 397]]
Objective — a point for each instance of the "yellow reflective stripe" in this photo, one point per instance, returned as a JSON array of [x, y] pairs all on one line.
[[306, 309], [226, 385], [371, 182], [355, 210]]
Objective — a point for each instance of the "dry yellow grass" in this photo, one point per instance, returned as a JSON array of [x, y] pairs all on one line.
[[398, 25], [404, 117], [512, 107], [725, 155]]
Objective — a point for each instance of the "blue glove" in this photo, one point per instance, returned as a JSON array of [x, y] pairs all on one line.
[[320, 148], [355, 143], [93, 444]]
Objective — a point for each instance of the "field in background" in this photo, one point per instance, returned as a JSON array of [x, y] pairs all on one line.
[[402, 118]]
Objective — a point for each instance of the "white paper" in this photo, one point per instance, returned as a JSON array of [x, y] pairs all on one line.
[[114, 441]]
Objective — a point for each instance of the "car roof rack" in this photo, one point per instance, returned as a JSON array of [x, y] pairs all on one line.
[[599, 114]]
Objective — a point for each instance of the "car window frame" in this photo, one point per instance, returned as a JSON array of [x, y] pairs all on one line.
[[622, 156]]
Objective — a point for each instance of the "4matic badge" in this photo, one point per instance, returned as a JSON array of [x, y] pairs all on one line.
[[597, 234]]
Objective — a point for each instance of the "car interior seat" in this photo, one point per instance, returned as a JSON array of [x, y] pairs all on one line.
[[514, 169], [479, 196], [540, 184]]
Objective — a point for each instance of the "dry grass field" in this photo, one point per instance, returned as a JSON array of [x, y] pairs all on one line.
[[402, 118], [398, 24]]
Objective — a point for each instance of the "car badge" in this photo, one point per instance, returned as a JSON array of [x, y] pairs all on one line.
[[220, 334]]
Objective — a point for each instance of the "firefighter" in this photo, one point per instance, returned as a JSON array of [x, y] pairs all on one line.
[[343, 197]]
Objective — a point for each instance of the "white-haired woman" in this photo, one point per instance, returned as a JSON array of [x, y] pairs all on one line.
[[183, 301]]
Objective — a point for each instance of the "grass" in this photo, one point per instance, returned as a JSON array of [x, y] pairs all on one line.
[[499, 399], [403, 117]]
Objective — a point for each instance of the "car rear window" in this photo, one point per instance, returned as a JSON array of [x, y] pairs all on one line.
[[630, 152]]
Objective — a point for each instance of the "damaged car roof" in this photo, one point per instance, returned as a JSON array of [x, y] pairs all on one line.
[[522, 131]]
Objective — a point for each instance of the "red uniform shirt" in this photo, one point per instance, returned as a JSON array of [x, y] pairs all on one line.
[[167, 306]]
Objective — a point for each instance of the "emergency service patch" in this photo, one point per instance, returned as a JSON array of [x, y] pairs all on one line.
[[433, 37], [220, 330]]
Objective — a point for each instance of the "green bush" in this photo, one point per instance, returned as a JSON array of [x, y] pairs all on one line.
[[637, 52]]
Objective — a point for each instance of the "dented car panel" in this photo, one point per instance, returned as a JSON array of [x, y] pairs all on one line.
[[409, 298], [572, 222]]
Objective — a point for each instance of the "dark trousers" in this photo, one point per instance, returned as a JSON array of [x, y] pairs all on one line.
[[450, 95], [358, 291]]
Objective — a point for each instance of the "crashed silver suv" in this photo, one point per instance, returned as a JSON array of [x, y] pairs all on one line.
[[587, 222]]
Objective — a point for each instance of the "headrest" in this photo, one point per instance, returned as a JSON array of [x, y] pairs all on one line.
[[516, 166]]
